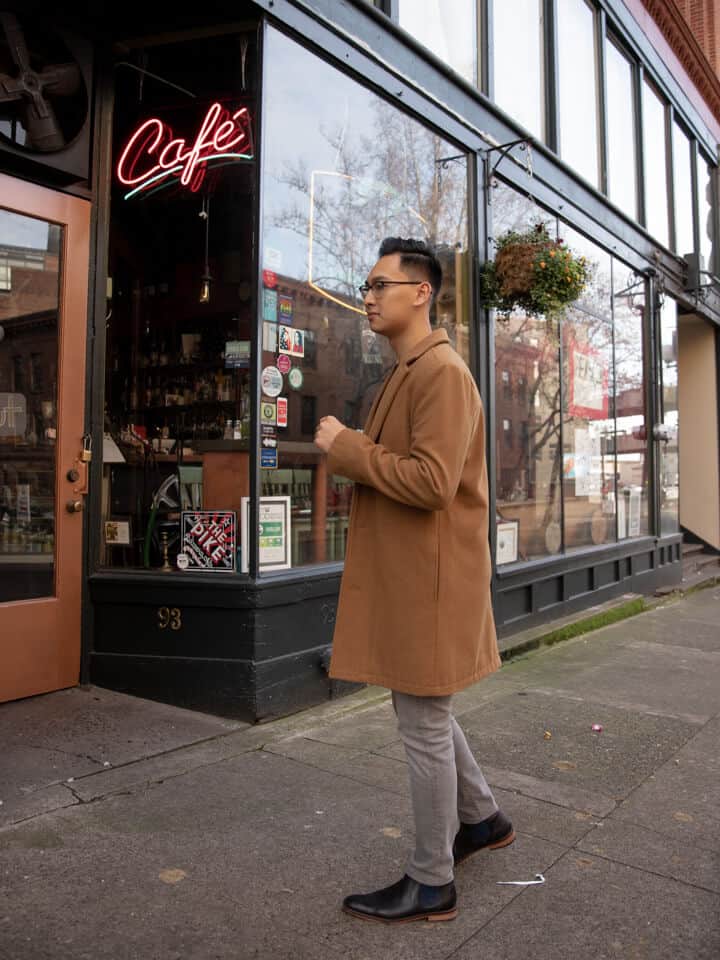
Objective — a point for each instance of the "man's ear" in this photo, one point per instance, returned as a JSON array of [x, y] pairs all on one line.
[[424, 293]]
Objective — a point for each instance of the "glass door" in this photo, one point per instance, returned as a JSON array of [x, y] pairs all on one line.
[[43, 471]]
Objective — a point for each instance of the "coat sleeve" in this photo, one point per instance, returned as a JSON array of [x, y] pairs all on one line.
[[444, 418]]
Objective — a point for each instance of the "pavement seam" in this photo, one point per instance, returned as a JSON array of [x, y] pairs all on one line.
[[652, 873], [511, 901]]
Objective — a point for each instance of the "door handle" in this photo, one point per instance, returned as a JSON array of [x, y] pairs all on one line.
[[74, 506]]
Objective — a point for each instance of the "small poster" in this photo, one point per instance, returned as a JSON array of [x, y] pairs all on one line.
[[237, 354], [282, 411], [291, 341], [271, 381], [268, 443], [268, 413], [270, 279], [506, 550], [295, 378], [274, 532], [283, 363], [286, 308], [208, 540], [22, 502], [270, 337], [267, 430], [268, 459], [117, 533], [270, 302]]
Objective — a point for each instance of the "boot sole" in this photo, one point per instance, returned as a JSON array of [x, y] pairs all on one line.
[[504, 842], [430, 917]]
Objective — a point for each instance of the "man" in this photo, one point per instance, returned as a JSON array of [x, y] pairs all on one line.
[[414, 613]]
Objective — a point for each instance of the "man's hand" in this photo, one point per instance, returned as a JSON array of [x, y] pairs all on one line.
[[326, 431]]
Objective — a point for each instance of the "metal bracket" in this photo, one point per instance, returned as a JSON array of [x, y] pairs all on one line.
[[525, 143]]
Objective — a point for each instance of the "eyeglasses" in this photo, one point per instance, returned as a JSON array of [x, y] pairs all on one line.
[[378, 286]]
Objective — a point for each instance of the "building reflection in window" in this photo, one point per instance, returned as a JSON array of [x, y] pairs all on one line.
[[358, 170], [669, 465], [571, 435], [631, 444], [589, 471]]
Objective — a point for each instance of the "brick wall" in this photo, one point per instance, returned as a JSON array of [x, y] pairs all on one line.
[[703, 18]]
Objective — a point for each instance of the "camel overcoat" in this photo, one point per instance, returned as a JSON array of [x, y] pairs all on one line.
[[415, 613]]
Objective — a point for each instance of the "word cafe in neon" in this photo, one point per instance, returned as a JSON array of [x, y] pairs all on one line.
[[189, 205]]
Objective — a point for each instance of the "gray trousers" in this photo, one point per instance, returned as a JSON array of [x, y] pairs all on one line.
[[446, 784]]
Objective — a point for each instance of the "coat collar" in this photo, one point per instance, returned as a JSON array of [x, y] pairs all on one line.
[[432, 340], [385, 398]]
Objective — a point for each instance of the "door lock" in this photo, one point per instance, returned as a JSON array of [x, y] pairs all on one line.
[[86, 452], [73, 475], [74, 506]]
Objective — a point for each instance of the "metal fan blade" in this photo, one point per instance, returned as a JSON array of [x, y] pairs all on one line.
[[15, 41], [62, 79], [10, 88], [43, 130]]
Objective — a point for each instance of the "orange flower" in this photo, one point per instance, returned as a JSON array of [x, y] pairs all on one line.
[[552, 253], [542, 264]]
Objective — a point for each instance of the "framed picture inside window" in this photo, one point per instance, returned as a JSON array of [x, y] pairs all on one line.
[[506, 548]]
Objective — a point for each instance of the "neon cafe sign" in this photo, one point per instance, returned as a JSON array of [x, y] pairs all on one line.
[[153, 158]]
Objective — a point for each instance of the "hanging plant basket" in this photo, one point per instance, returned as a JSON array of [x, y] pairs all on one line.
[[534, 273]]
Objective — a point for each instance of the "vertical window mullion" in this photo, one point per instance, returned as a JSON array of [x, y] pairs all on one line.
[[694, 154], [552, 86], [670, 177], [486, 65], [600, 40], [639, 79]]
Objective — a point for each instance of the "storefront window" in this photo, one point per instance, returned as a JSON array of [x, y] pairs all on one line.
[[578, 100], [448, 28], [655, 165], [358, 170], [669, 464], [622, 186], [180, 307], [705, 174], [518, 62], [528, 448], [630, 419], [30, 271], [570, 430], [682, 183], [589, 494]]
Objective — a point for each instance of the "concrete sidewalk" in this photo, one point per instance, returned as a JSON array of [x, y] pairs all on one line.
[[136, 830]]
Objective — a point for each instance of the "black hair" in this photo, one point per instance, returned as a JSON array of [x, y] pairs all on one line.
[[417, 254]]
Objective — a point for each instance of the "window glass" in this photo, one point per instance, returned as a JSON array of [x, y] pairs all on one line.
[[589, 494], [655, 165], [448, 28], [578, 106], [181, 308], [669, 465], [705, 214], [518, 62], [682, 183], [30, 275], [631, 422], [622, 185], [359, 170], [528, 450]]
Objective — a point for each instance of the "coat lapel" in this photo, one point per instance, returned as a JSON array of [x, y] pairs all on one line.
[[381, 407]]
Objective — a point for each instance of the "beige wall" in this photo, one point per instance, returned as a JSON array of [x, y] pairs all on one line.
[[698, 429]]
